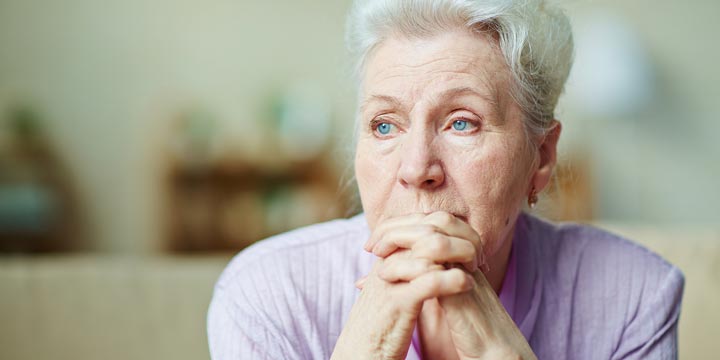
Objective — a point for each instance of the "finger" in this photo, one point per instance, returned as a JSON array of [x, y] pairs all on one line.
[[441, 249], [405, 231], [428, 241], [360, 283], [391, 223], [440, 283], [407, 269], [403, 237], [454, 226]]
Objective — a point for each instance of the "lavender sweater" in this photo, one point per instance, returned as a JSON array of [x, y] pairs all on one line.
[[575, 292]]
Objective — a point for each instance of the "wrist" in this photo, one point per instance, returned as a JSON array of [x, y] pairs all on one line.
[[390, 340]]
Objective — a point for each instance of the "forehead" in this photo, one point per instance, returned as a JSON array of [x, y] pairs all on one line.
[[413, 68]]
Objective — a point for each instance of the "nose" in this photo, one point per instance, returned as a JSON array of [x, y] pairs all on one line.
[[420, 167]]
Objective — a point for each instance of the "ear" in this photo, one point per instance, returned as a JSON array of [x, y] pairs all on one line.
[[548, 157]]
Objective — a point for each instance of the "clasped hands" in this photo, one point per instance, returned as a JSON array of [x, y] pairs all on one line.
[[430, 266]]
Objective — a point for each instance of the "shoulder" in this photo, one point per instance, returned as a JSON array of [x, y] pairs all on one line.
[[618, 293], [290, 292], [298, 249], [283, 298], [596, 253]]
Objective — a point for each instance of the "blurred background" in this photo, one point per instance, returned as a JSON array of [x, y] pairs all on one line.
[[143, 143]]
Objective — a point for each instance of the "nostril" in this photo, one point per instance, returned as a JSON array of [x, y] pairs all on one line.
[[421, 172]]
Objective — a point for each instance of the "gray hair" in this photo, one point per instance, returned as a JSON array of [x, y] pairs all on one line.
[[535, 39]]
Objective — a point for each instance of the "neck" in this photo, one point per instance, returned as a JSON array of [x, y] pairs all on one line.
[[499, 261]]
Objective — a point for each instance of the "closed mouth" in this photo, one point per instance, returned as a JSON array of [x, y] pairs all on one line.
[[461, 217]]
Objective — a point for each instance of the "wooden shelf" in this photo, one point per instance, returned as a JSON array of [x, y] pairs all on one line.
[[228, 205]]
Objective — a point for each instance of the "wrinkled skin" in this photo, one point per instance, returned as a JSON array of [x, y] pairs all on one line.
[[443, 165]]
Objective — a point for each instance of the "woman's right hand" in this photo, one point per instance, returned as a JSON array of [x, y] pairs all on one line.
[[382, 320]]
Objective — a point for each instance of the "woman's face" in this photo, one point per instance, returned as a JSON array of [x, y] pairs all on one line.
[[438, 130]]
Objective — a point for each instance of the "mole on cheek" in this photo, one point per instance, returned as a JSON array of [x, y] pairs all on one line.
[[507, 221]]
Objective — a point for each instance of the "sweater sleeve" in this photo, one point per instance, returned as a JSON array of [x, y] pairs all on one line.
[[652, 332], [237, 331]]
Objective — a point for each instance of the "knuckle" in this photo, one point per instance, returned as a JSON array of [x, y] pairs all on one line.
[[401, 254], [425, 264], [439, 244], [436, 267], [380, 230], [434, 283], [443, 218], [385, 272], [429, 230], [471, 252], [457, 279], [388, 261]]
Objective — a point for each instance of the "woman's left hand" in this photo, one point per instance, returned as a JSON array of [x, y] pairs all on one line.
[[477, 322], [480, 327]]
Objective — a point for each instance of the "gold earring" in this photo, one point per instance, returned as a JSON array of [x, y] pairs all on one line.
[[533, 198]]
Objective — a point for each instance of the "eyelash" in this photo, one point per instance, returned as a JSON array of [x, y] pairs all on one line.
[[474, 123], [375, 123]]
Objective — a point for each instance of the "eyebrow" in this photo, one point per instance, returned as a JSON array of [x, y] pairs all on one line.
[[447, 94], [466, 90], [395, 102]]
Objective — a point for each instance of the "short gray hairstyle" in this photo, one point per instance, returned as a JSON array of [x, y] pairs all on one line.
[[535, 39]]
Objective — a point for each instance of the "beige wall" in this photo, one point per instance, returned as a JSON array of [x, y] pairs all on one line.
[[111, 75], [660, 164]]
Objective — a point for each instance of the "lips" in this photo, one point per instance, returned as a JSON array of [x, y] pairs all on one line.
[[461, 217]]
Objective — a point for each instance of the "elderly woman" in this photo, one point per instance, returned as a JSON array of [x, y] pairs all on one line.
[[455, 133]]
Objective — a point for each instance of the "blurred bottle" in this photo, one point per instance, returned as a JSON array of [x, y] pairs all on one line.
[[194, 140], [37, 213], [302, 122]]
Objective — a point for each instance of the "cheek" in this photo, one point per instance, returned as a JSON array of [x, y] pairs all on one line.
[[490, 177], [368, 169], [493, 186], [375, 179]]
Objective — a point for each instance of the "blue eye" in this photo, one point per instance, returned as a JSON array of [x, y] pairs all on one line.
[[459, 125], [384, 128]]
